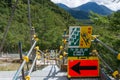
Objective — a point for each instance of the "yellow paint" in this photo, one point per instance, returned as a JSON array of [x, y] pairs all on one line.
[[69, 76], [64, 53], [26, 58], [94, 51], [37, 52], [85, 36], [115, 73], [35, 38], [61, 47], [27, 77], [64, 41], [94, 36], [60, 56], [83, 58], [118, 56], [37, 48]]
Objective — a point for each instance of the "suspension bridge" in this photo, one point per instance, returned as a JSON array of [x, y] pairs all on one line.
[[73, 61]]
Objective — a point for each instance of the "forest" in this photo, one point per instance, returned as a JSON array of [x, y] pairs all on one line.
[[49, 22]]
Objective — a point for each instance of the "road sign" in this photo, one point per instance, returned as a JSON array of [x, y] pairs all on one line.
[[74, 36], [78, 52], [87, 67], [52, 54], [85, 36]]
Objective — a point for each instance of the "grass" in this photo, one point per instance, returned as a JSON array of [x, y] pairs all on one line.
[[8, 66]]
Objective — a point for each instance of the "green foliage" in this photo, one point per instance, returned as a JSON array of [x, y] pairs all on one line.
[[112, 22], [48, 20], [99, 19], [109, 30], [115, 21]]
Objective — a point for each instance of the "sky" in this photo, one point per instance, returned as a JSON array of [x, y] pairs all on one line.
[[74, 3]]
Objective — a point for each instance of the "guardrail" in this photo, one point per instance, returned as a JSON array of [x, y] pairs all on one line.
[[104, 76], [37, 57], [26, 59], [95, 39], [115, 74], [62, 54]]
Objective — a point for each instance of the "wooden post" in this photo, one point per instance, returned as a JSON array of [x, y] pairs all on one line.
[[21, 59]]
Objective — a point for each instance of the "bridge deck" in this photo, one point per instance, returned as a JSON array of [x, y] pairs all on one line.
[[7, 75], [50, 72]]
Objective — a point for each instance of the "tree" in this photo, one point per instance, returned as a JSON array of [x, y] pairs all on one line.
[[115, 21], [9, 2], [99, 19]]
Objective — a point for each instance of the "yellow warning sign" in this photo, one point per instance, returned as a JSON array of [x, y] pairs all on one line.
[[85, 36]]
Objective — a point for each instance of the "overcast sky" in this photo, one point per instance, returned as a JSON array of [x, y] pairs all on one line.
[[74, 3]]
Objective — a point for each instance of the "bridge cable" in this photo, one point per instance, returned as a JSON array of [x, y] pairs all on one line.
[[105, 63], [30, 22], [32, 67], [97, 40], [113, 51], [8, 25]]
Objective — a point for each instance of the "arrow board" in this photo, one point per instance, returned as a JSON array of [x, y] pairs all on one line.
[[83, 67], [77, 68]]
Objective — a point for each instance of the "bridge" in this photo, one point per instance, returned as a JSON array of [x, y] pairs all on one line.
[[74, 60], [71, 62]]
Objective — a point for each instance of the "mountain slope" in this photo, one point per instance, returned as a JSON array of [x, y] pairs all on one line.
[[78, 14], [83, 11], [63, 6], [94, 7], [48, 19]]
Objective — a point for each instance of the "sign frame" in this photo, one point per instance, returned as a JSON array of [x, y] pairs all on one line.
[[82, 72]]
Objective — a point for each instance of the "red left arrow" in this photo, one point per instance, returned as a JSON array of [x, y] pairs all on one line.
[[77, 68]]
